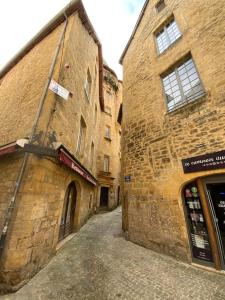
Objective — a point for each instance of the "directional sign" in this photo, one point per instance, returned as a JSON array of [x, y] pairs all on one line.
[[59, 90]]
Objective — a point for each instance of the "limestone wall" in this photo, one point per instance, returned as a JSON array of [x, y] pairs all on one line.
[[155, 141], [34, 230]]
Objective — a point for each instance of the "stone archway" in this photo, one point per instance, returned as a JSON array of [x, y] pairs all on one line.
[[68, 212]]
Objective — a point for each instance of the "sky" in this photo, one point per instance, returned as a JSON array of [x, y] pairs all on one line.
[[113, 20]]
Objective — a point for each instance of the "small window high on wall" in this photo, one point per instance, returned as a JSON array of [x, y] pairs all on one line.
[[87, 85], [106, 163], [81, 137]]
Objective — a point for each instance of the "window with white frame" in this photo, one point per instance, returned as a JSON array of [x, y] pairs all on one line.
[[81, 137], [167, 36], [182, 85], [87, 85], [106, 163], [108, 132]]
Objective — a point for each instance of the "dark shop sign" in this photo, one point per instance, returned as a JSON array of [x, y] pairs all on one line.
[[205, 162]]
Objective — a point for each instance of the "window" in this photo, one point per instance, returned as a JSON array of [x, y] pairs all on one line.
[[81, 137], [160, 5], [182, 85], [107, 132], [96, 112], [92, 155], [87, 85], [106, 163], [108, 110], [167, 36]]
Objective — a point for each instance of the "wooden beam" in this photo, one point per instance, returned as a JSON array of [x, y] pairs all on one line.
[[210, 226]]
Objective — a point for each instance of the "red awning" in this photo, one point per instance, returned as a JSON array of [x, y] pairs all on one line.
[[10, 148], [68, 161]]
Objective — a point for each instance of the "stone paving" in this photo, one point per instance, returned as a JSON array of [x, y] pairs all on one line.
[[98, 263]]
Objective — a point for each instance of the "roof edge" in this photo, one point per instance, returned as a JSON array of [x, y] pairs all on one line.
[[134, 31], [110, 70], [67, 11]]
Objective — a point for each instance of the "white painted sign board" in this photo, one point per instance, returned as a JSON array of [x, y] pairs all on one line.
[[59, 90]]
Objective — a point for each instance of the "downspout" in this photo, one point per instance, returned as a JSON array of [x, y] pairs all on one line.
[[101, 97], [26, 155]]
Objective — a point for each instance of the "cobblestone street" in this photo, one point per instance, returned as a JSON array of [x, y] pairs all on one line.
[[98, 263]]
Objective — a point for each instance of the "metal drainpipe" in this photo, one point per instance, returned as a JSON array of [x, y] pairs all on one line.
[[26, 155]]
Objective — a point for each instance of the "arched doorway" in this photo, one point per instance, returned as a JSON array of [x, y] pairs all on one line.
[[204, 200], [68, 213]]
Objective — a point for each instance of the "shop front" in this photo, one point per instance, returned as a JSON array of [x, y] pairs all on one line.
[[204, 203]]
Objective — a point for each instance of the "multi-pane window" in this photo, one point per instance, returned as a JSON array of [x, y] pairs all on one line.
[[81, 137], [167, 36], [106, 163], [107, 132], [160, 5], [182, 85], [87, 85]]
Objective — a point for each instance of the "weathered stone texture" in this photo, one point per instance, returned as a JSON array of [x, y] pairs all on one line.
[[21, 89], [34, 227], [110, 146], [154, 141]]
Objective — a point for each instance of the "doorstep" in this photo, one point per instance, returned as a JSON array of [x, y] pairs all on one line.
[[222, 272]]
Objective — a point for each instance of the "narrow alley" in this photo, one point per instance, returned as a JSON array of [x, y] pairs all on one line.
[[98, 263]]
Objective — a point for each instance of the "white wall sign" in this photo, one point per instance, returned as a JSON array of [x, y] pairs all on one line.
[[59, 90]]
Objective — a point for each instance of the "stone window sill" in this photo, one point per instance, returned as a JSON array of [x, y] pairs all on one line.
[[188, 104]]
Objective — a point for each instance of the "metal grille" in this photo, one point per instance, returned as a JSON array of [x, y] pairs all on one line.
[[167, 36], [182, 85]]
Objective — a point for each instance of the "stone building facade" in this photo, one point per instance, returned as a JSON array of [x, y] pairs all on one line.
[[108, 157], [49, 140], [173, 138]]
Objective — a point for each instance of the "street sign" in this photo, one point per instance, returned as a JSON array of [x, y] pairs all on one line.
[[59, 90]]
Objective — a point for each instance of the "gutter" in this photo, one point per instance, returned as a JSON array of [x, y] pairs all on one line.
[[26, 156], [134, 31]]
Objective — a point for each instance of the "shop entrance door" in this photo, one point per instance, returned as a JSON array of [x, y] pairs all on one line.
[[216, 194], [67, 219]]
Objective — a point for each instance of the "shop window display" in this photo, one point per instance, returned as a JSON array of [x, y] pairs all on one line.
[[197, 227]]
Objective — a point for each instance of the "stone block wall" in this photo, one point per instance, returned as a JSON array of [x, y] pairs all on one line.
[[80, 54], [21, 89], [34, 229], [9, 167], [154, 140]]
